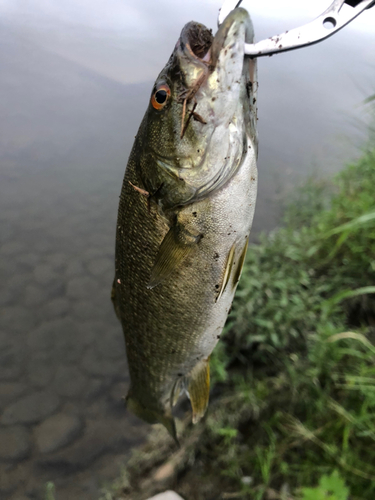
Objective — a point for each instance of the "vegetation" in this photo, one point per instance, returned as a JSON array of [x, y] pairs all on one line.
[[49, 491], [299, 347], [292, 415]]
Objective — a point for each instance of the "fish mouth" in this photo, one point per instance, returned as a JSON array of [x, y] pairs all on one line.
[[199, 44], [197, 40]]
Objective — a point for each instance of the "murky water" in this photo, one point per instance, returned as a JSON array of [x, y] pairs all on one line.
[[65, 132]]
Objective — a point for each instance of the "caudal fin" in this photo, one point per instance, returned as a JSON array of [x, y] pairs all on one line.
[[152, 416]]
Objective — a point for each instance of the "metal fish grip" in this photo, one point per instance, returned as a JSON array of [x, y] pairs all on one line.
[[338, 15]]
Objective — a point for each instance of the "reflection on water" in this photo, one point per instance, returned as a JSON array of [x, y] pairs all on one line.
[[65, 133]]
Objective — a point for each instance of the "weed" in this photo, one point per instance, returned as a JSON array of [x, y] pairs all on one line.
[[289, 337], [49, 491], [330, 488]]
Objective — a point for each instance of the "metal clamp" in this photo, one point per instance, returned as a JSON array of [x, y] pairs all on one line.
[[327, 24]]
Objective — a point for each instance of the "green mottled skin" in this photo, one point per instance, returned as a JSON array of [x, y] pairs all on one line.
[[172, 326]]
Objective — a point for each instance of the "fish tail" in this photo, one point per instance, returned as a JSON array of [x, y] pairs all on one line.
[[152, 416]]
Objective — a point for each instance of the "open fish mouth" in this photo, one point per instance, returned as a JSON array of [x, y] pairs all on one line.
[[213, 64], [197, 40]]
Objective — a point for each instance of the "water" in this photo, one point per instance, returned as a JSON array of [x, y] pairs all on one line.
[[66, 128]]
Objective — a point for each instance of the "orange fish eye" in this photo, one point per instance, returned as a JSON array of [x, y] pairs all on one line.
[[160, 96]]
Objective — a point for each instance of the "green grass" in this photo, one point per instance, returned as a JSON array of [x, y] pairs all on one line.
[[49, 491], [298, 346], [320, 252], [330, 488]]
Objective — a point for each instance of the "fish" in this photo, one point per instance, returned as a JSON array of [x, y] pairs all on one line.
[[185, 212]]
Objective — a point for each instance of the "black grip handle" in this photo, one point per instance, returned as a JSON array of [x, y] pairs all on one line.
[[354, 3]]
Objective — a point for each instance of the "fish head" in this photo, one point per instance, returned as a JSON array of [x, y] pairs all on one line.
[[152, 416], [201, 117]]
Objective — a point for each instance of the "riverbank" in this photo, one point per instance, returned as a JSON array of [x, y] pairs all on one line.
[[291, 412]]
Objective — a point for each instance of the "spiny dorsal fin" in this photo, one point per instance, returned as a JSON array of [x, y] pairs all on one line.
[[198, 388], [176, 246], [227, 271]]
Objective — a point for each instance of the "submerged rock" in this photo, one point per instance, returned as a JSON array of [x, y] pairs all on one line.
[[15, 443], [31, 409], [57, 432]]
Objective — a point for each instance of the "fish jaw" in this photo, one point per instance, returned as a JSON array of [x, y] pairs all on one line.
[[217, 77], [206, 101], [225, 82]]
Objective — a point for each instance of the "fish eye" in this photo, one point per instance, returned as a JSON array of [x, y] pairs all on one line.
[[160, 96]]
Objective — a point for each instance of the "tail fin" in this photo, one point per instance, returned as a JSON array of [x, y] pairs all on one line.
[[152, 416]]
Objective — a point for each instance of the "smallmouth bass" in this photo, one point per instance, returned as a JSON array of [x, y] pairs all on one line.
[[185, 214]]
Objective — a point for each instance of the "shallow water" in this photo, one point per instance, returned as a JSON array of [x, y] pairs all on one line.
[[65, 133]]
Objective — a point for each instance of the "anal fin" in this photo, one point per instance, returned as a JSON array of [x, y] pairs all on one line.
[[176, 246], [198, 388]]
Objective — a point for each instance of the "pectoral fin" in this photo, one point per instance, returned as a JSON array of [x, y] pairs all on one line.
[[198, 388], [176, 246], [227, 271], [238, 271]]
